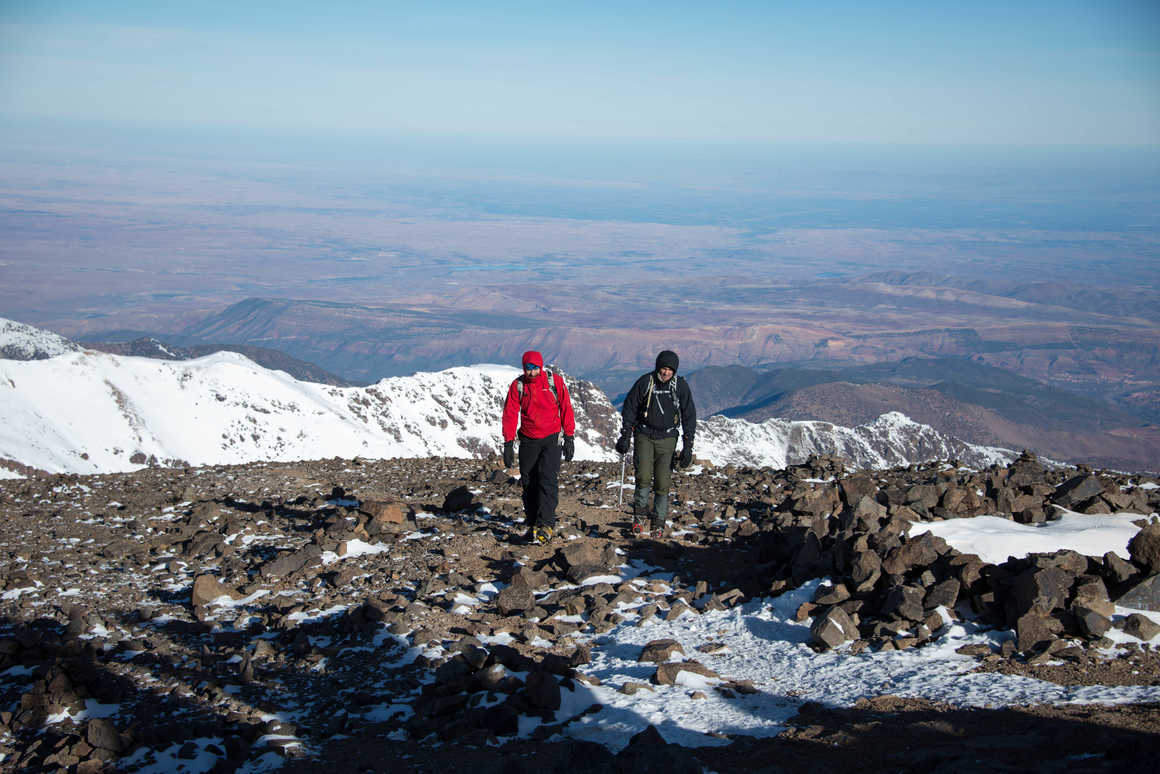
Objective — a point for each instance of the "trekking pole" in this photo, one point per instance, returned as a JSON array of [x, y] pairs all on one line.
[[620, 500]]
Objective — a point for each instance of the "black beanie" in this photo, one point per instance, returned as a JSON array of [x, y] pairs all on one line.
[[668, 359]]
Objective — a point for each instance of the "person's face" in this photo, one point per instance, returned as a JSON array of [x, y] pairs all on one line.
[[665, 373], [531, 370]]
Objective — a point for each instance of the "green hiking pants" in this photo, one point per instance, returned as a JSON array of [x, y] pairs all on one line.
[[653, 461]]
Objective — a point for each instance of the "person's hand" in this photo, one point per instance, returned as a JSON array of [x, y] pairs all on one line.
[[622, 444], [569, 448], [509, 454], [686, 456]]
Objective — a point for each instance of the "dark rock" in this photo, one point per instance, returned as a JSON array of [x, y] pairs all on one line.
[[666, 674], [103, 735], [207, 588], [1144, 548], [290, 562], [1091, 593], [459, 499], [648, 752], [1145, 595], [832, 595], [856, 487], [384, 512], [516, 598], [660, 651], [1140, 626], [865, 570], [904, 602], [1042, 590], [945, 594], [590, 554], [833, 628], [1091, 623], [1119, 570], [916, 552], [542, 691], [1077, 490], [1035, 629]]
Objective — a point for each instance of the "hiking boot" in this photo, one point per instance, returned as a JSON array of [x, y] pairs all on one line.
[[656, 530], [638, 527], [541, 534]]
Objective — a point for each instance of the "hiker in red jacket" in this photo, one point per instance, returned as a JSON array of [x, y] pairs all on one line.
[[538, 405]]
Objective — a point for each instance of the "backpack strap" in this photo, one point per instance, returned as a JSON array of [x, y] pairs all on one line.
[[552, 385]]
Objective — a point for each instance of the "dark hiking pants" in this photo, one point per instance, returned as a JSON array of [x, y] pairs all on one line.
[[539, 477], [653, 461]]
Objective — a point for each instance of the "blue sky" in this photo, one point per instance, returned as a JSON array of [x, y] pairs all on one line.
[[1029, 73]]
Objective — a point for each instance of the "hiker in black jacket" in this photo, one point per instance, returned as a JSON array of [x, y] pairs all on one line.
[[658, 406]]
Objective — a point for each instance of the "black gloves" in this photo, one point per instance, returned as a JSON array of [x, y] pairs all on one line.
[[686, 455], [569, 448], [509, 454], [622, 444]]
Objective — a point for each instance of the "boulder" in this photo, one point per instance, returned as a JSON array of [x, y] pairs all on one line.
[[1043, 590], [207, 588], [1144, 548], [648, 751], [542, 691], [1145, 595], [103, 735], [1035, 629], [667, 673], [944, 594], [588, 553], [865, 570], [660, 651], [516, 598], [1119, 570], [854, 488], [1077, 490], [904, 602], [459, 498], [833, 628], [1091, 623], [289, 562], [920, 551], [1090, 593], [384, 512], [1140, 626]]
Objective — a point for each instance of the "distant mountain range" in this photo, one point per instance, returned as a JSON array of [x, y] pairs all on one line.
[[147, 346], [958, 396], [66, 409]]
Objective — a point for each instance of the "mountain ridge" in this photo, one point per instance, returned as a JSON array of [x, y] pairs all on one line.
[[89, 411]]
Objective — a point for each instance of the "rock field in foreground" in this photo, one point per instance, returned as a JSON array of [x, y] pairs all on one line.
[[203, 600]]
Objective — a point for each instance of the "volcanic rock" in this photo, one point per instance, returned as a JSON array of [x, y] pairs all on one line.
[[660, 651], [666, 673], [1144, 548], [1145, 595], [833, 628]]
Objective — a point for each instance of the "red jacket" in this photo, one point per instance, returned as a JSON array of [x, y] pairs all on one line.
[[538, 414]]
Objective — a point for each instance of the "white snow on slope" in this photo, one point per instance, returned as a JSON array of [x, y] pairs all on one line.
[[993, 538], [891, 440], [24, 342], [92, 412], [81, 411]]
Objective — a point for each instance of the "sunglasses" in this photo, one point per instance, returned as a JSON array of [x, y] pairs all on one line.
[[531, 367]]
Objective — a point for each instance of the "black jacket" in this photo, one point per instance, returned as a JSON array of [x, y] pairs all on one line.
[[661, 413]]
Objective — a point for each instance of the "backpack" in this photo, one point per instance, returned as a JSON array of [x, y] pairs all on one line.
[[552, 385], [676, 398]]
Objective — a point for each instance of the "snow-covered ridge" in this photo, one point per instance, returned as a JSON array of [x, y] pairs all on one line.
[[81, 411], [890, 440], [24, 342], [92, 412]]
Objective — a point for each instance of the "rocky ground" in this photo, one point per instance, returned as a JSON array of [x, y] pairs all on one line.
[[210, 605]]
